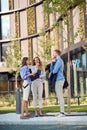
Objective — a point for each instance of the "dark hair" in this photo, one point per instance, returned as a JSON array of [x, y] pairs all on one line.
[[24, 61], [58, 52], [39, 61]]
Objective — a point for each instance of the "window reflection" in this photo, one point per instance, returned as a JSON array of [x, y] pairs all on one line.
[[4, 48], [84, 60], [4, 5], [5, 27]]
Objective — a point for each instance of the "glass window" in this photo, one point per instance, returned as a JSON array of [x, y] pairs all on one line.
[[4, 5], [3, 77], [76, 22], [5, 27], [3, 49], [23, 24], [84, 61], [39, 18], [85, 83], [79, 60]]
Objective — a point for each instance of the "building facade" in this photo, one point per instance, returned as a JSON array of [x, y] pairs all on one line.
[[23, 21]]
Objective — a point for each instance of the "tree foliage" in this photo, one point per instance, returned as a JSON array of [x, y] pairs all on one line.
[[13, 59], [61, 6], [45, 47]]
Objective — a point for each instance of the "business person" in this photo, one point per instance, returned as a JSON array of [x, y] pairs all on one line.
[[58, 68], [37, 85]]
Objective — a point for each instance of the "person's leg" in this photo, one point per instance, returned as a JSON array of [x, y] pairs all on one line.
[[22, 109], [23, 105], [59, 93], [26, 109], [25, 102], [40, 93], [34, 92], [26, 97]]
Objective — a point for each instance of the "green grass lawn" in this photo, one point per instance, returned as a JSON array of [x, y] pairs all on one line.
[[75, 108]]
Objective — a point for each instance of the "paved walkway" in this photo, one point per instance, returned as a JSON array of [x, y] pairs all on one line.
[[48, 118]]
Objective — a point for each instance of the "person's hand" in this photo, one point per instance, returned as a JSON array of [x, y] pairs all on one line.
[[31, 74], [53, 60], [37, 64]]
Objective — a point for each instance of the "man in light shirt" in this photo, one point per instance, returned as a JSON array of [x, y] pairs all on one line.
[[58, 68]]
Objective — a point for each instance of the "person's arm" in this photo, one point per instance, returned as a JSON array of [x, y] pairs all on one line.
[[43, 74], [23, 74], [56, 67], [30, 74]]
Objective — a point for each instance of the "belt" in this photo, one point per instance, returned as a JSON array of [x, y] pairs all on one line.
[[25, 86]]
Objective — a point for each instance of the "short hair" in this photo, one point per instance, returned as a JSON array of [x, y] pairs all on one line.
[[24, 60], [58, 52]]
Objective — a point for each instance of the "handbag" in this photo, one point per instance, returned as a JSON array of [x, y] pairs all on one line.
[[66, 84]]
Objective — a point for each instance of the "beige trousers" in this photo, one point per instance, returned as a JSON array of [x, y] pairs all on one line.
[[59, 93], [26, 91], [37, 91]]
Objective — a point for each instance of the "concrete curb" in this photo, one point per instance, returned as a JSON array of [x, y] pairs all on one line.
[[47, 119]]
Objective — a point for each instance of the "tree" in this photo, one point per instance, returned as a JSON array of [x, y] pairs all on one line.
[[63, 8], [45, 47], [13, 59]]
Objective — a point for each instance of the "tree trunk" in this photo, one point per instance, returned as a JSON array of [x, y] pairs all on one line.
[[69, 87], [16, 82], [68, 67]]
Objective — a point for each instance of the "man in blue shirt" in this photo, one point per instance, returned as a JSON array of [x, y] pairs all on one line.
[[58, 68]]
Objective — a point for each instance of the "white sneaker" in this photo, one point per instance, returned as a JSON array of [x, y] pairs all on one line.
[[61, 115]]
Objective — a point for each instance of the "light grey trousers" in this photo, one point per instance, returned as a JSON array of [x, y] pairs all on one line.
[[59, 93], [37, 91]]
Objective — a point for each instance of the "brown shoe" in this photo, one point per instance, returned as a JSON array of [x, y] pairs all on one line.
[[28, 115], [22, 117]]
